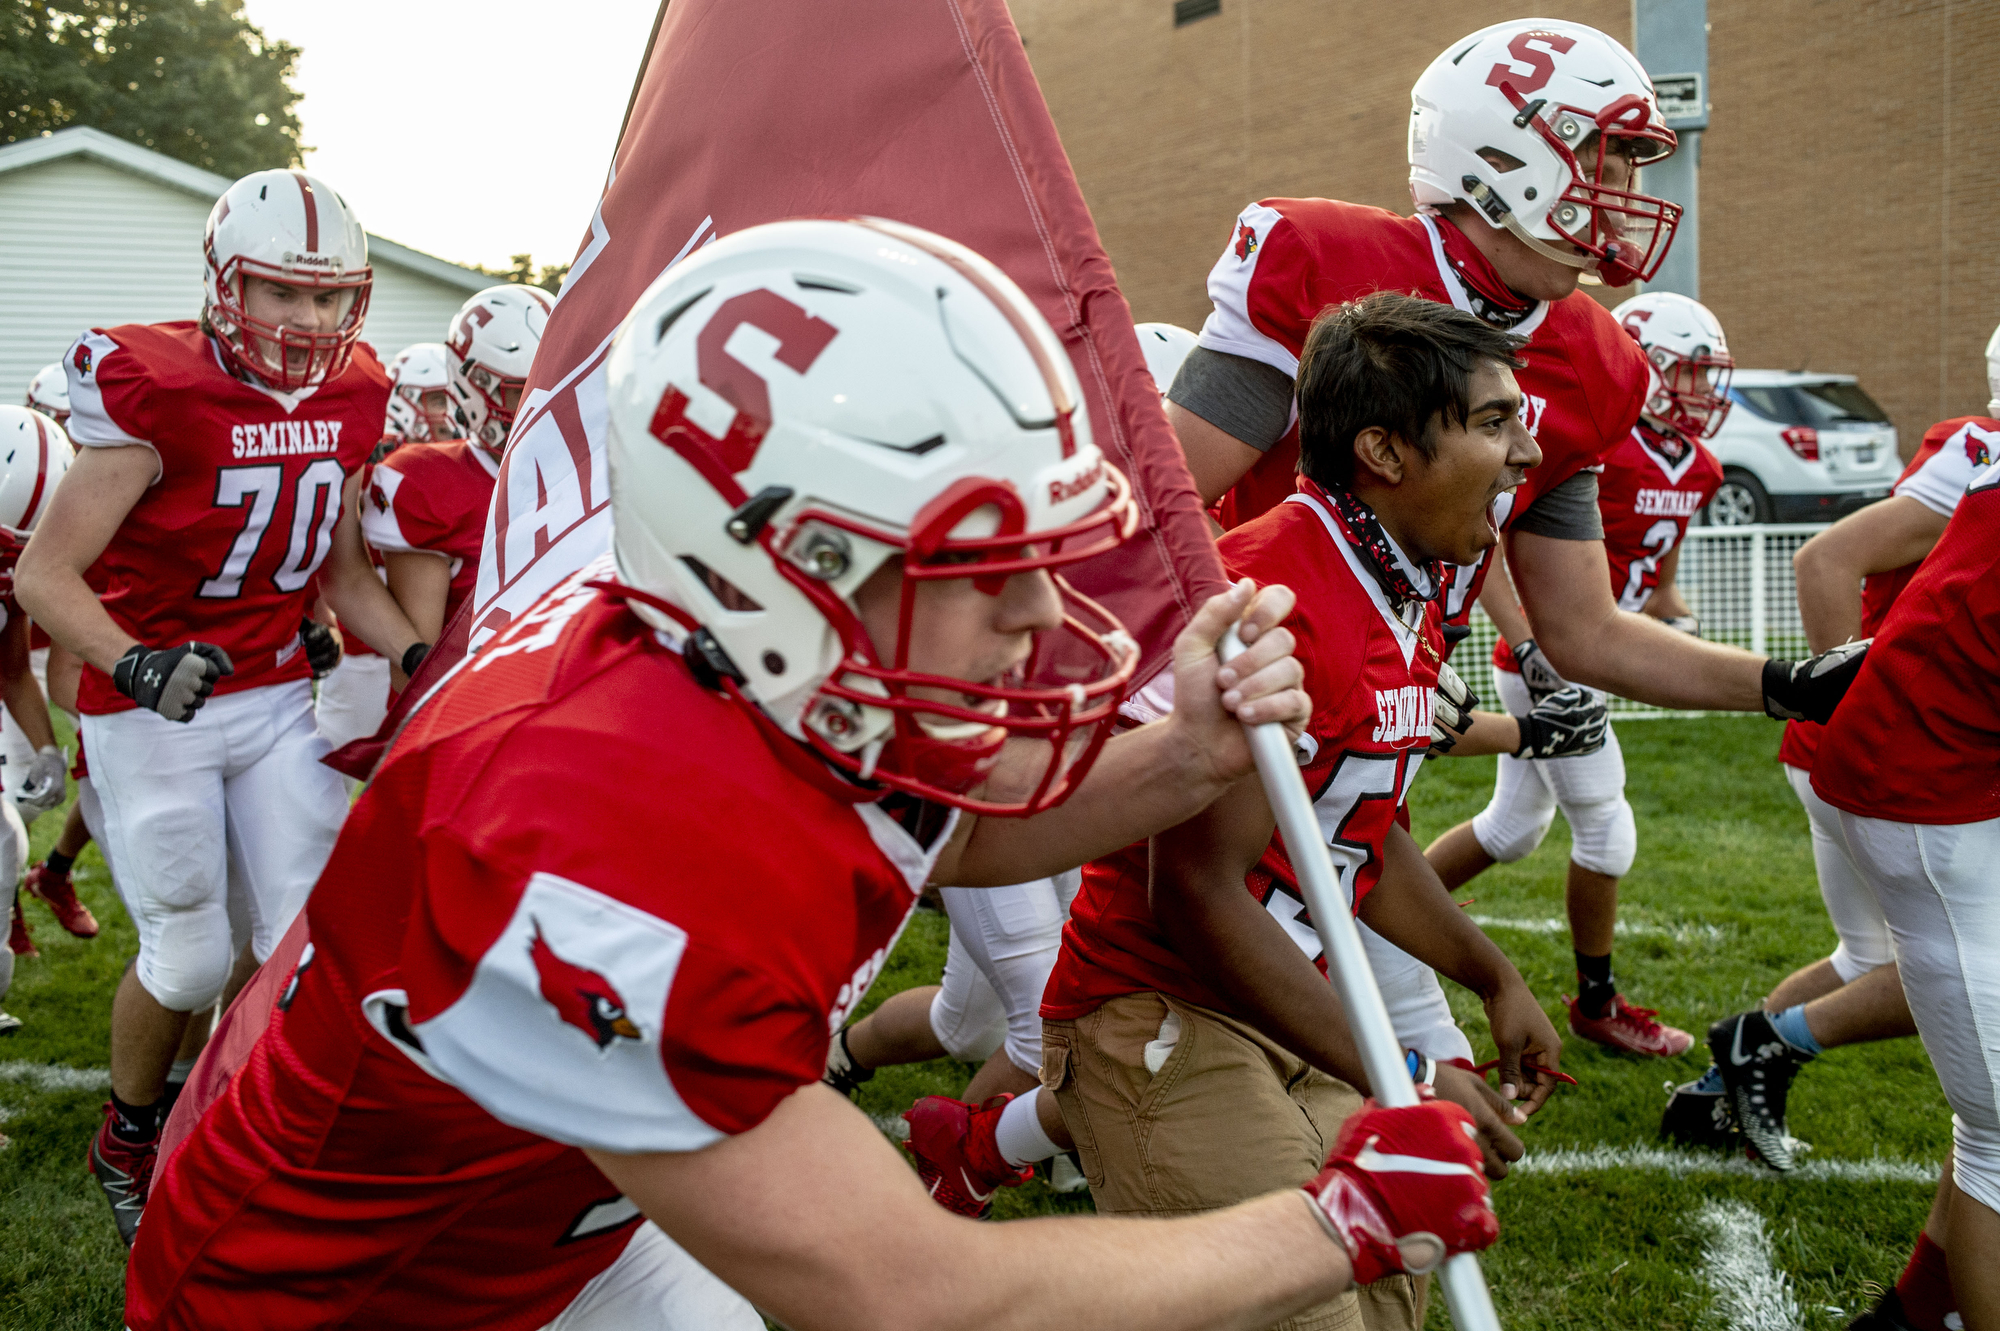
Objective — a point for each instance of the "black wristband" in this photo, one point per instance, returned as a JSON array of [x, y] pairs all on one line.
[[413, 656], [128, 664]]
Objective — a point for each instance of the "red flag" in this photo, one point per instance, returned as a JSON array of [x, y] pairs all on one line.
[[923, 111]]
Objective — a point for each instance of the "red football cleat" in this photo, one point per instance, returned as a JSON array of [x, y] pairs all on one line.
[[957, 1157], [1632, 1030], [59, 895], [125, 1173], [19, 942]]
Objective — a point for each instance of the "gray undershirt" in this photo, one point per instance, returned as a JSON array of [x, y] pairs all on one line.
[[1252, 401]]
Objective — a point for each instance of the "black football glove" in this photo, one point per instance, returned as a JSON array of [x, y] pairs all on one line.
[[322, 646], [1451, 710], [1809, 690], [174, 682], [1536, 672], [1566, 724]]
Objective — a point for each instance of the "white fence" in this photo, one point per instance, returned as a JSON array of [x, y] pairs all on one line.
[[1737, 580]]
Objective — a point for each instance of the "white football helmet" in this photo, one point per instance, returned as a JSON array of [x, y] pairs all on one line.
[[34, 454], [1687, 358], [1993, 373], [289, 227], [48, 393], [1498, 119], [420, 405], [1165, 347], [492, 344], [801, 402]]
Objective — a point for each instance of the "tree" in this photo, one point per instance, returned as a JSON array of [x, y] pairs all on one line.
[[193, 79], [524, 272]]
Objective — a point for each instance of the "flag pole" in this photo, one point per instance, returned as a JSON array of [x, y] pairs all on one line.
[[1464, 1285]]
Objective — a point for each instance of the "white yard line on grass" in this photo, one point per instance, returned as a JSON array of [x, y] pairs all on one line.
[[55, 1076], [1680, 933], [1750, 1293], [1681, 1164]]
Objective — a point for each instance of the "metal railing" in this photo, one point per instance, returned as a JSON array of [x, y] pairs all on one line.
[[1737, 580]]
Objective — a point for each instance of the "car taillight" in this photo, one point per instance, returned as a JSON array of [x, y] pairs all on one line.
[[1803, 440]]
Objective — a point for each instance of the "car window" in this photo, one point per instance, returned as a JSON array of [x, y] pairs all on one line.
[[1825, 403]]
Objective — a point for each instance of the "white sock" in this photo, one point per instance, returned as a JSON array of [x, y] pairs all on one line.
[[182, 1069], [1019, 1133]]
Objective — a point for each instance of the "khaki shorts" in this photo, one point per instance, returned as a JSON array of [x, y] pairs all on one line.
[[1228, 1116]]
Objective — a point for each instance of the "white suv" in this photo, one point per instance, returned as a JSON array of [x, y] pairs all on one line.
[[1800, 447]]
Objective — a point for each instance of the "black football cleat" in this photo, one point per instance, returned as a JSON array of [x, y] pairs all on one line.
[[842, 1072], [1757, 1067], [1698, 1117], [1886, 1315]]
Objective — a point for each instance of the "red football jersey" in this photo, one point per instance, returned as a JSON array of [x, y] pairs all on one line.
[[1917, 738], [1370, 675], [1951, 455], [497, 978], [1645, 495], [1291, 258], [225, 545], [432, 498]]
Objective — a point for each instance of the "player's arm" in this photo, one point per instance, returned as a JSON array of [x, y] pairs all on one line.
[[97, 492], [1411, 908], [65, 677], [420, 580], [1490, 733], [1227, 937], [825, 1228], [1502, 603], [1588, 639], [1216, 458], [1900, 530], [350, 586], [1159, 774], [1666, 602], [23, 695]]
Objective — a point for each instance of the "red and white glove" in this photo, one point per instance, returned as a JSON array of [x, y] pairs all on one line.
[[1404, 1189]]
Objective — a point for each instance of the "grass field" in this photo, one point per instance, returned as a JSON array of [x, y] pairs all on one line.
[[1601, 1230]]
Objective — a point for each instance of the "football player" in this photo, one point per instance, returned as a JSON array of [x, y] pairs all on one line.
[[424, 511], [1652, 484], [353, 697], [1189, 1036], [1849, 577], [556, 1061], [48, 393], [36, 452], [1524, 145], [214, 491], [1908, 762]]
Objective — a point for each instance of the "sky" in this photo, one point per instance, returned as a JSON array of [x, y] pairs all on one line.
[[470, 129]]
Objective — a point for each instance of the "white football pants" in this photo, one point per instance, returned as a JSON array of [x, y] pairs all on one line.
[[353, 699], [655, 1286], [238, 793], [14, 746], [1004, 942], [1589, 788], [1940, 891], [1417, 1006], [1850, 901]]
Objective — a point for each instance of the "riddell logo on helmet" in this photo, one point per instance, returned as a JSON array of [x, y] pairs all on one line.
[[312, 261], [1062, 491]]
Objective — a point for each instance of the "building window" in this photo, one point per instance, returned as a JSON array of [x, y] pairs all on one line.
[[1187, 11]]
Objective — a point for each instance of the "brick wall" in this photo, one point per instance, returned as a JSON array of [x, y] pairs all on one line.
[[1834, 236]]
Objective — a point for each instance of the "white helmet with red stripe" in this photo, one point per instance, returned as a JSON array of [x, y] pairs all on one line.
[[798, 404], [48, 392], [420, 405], [1499, 120], [1688, 359], [492, 343], [289, 227], [34, 454]]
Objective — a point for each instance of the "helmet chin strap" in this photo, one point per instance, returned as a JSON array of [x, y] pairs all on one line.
[[1543, 248]]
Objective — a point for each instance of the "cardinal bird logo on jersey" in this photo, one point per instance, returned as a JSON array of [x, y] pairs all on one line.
[[378, 496], [580, 996], [82, 359], [1976, 451], [1246, 240]]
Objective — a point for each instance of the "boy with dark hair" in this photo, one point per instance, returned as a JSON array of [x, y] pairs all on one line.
[[1194, 1046]]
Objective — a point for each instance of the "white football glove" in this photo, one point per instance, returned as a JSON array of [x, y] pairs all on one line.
[[43, 788], [1536, 672], [1451, 709]]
